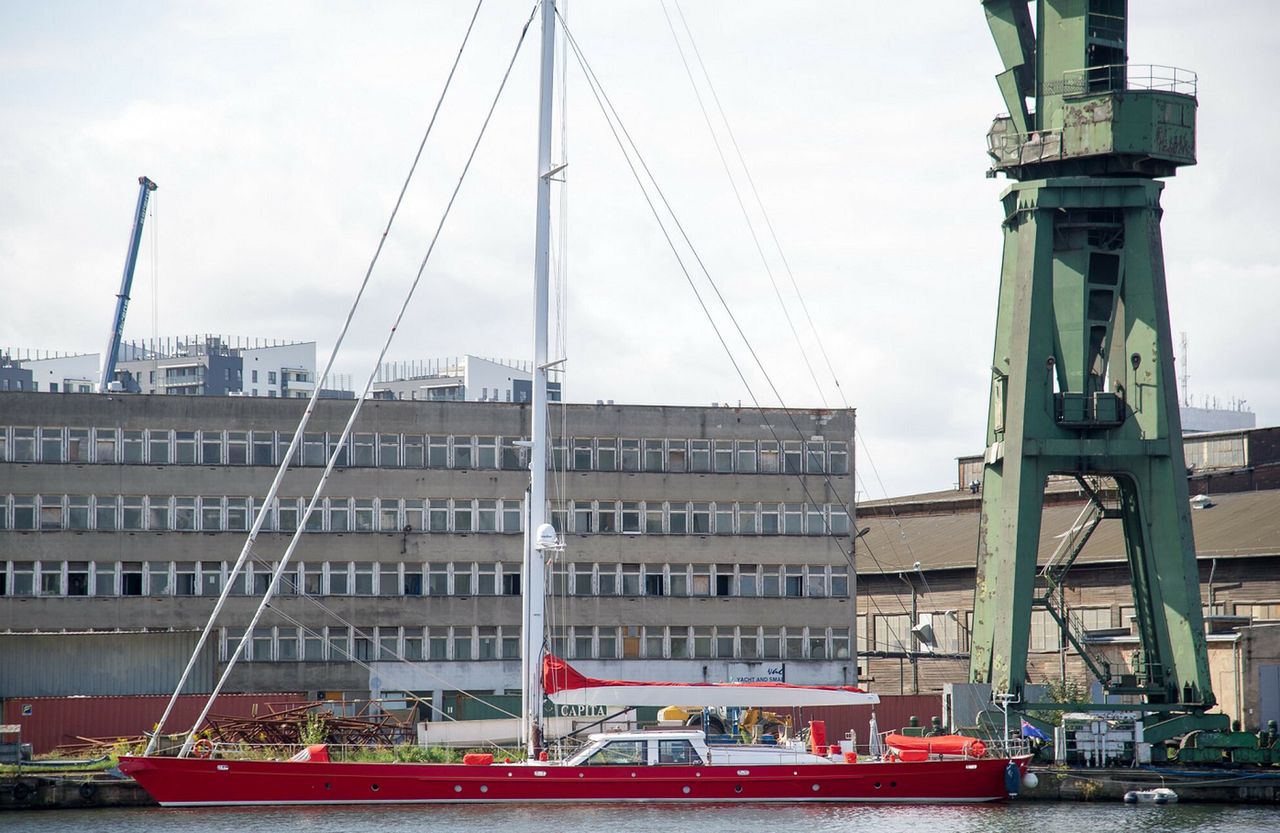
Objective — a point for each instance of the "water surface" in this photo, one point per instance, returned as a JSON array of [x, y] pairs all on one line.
[[1025, 817]]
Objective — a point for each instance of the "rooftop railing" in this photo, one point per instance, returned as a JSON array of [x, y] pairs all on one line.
[[1118, 77]]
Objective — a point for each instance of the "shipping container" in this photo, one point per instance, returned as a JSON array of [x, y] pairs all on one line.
[[49, 722], [893, 713], [67, 664]]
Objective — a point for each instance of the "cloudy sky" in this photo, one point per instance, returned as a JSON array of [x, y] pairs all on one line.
[[280, 132]]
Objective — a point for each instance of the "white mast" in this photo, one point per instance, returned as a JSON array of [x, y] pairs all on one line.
[[534, 566]]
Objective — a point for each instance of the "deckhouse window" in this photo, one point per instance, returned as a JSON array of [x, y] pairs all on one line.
[[677, 752], [619, 753]]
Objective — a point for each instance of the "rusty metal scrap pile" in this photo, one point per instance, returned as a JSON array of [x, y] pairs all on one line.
[[286, 728]]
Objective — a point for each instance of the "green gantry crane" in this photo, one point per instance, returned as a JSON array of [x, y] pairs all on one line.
[[1082, 379]]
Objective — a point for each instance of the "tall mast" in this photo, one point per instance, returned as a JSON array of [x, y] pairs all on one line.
[[534, 567]]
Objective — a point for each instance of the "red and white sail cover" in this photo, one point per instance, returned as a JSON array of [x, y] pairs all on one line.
[[565, 686]]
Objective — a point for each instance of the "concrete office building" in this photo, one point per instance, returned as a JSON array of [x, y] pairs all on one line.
[[709, 543]]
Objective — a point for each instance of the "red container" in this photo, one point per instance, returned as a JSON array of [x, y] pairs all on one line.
[[892, 714], [49, 722]]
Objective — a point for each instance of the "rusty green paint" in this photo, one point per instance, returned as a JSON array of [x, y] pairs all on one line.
[[1082, 372]]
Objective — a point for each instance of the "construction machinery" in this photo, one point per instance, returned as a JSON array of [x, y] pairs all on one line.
[[107, 370], [1082, 377]]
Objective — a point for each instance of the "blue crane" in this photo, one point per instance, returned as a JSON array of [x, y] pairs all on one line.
[[108, 370]]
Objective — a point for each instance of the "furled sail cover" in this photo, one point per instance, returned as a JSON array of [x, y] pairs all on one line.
[[565, 686]]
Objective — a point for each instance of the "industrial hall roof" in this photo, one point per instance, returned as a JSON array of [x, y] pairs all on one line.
[[1236, 525]]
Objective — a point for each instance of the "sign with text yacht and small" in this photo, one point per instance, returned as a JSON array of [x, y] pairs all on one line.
[[758, 672]]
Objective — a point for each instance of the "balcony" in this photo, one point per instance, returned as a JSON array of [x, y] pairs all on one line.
[[1109, 120]]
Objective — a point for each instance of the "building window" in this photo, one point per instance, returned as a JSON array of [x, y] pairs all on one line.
[[653, 454], [131, 578], [24, 512], [184, 514], [582, 515], [678, 519], [893, 633], [24, 445], [104, 445], [158, 447], [511, 579], [1260, 611], [51, 445], [839, 459], [185, 447], [582, 455], [1092, 618], [1045, 632], [793, 518], [677, 455], [363, 578], [769, 519], [606, 455], [630, 455], [511, 516], [50, 512], [211, 448], [630, 517], [339, 578], [132, 446], [769, 457], [724, 580], [77, 512], [24, 576]]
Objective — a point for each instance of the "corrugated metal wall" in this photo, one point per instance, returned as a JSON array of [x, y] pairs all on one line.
[[49, 722], [893, 712], [64, 664]]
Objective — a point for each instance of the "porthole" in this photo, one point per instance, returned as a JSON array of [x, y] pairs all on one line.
[[737, 788], [484, 788], [686, 790], [877, 785], [373, 787], [328, 786], [893, 783], [458, 788], [815, 787]]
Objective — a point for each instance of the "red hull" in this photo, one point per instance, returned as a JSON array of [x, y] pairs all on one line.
[[192, 782]]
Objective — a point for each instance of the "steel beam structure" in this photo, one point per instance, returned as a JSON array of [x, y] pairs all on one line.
[[1082, 374]]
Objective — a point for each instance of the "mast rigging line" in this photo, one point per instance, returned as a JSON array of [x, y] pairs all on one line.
[[339, 448], [760, 203], [777, 244], [737, 194], [289, 618], [296, 440], [291, 583], [611, 116]]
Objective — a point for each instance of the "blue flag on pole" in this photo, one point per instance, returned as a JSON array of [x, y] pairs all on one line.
[[1029, 731]]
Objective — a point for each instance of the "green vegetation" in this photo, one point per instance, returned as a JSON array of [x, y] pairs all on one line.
[[314, 730], [1067, 692]]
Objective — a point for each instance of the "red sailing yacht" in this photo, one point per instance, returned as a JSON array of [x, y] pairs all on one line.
[[670, 765], [667, 765]]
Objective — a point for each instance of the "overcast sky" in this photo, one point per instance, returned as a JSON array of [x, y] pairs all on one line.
[[279, 134]]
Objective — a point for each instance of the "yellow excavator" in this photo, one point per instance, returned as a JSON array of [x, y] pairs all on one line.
[[750, 724]]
